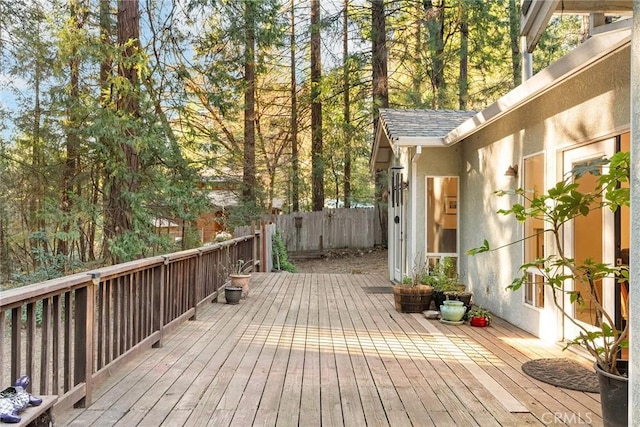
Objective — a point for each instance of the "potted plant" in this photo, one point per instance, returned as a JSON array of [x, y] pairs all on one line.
[[453, 311], [413, 295], [232, 294], [460, 295], [444, 280], [240, 276], [560, 205], [479, 317]]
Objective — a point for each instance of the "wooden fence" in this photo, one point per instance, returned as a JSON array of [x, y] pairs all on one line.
[[69, 334], [331, 228], [266, 231]]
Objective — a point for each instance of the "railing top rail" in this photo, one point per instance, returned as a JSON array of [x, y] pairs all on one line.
[[18, 296]]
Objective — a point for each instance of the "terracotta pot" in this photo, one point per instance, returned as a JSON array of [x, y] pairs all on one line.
[[241, 281]]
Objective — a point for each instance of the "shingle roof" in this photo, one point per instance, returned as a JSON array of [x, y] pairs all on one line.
[[422, 123]]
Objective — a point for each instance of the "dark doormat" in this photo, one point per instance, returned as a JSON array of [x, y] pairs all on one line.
[[563, 373], [378, 289]]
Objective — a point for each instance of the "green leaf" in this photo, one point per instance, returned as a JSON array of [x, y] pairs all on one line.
[[479, 249]]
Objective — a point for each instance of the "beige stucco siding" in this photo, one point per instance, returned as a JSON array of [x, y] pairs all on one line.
[[589, 106]]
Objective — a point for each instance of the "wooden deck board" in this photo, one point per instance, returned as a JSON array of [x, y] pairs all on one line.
[[267, 413], [317, 349]]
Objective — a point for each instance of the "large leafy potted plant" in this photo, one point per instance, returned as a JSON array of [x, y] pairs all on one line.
[[560, 205]]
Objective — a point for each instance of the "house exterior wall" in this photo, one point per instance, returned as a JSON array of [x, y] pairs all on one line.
[[587, 107]]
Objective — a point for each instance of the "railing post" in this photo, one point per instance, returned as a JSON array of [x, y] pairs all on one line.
[[84, 321], [256, 246], [197, 286], [158, 298]]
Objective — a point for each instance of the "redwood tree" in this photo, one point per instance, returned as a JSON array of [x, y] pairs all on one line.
[[249, 169], [380, 96], [317, 162], [123, 183]]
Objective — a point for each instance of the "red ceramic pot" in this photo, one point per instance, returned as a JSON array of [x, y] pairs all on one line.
[[479, 322]]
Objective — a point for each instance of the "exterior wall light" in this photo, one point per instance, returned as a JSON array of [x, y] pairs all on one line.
[[512, 171]]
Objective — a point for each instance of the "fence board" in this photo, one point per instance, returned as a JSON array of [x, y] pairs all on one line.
[[268, 230], [331, 228]]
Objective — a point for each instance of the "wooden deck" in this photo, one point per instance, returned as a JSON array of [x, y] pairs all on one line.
[[313, 350]]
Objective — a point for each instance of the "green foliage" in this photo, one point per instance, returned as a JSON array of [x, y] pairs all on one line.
[[68, 138], [563, 33], [280, 254], [480, 312], [443, 276], [243, 214], [47, 265], [561, 204]]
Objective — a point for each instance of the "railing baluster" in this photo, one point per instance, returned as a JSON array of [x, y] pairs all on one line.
[[45, 330], [101, 320], [129, 314], [89, 323], [66, 358], [30, 341], [16, 342], [55, 363], [2, 328], [83, 350]]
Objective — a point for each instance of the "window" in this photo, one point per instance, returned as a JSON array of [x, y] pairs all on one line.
[[533, 178], [441, 218]]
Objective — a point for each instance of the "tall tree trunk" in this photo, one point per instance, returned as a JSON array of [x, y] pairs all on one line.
[[36, 221], [102, 175], [72, 139], [249, 170], [463, 82], [436, 43], [380, 98], [317, 162], [514, 31], [347, 108], [295, 168], [418, 75], [5, 264], [379, 59], [119, 208]]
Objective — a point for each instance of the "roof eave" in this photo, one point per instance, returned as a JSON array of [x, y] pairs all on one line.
[[381, 151], [415, 141]]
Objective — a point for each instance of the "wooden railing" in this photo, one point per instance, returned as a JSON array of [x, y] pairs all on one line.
[[69, 334]]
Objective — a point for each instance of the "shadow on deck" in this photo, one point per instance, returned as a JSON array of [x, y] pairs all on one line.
[[316, 349]]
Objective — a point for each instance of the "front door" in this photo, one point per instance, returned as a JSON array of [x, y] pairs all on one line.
[[591, 236]]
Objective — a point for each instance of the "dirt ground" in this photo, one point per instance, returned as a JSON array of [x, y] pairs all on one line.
[[351, 261]]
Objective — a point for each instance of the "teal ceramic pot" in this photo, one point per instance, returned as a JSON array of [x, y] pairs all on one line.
[[452, 310]]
